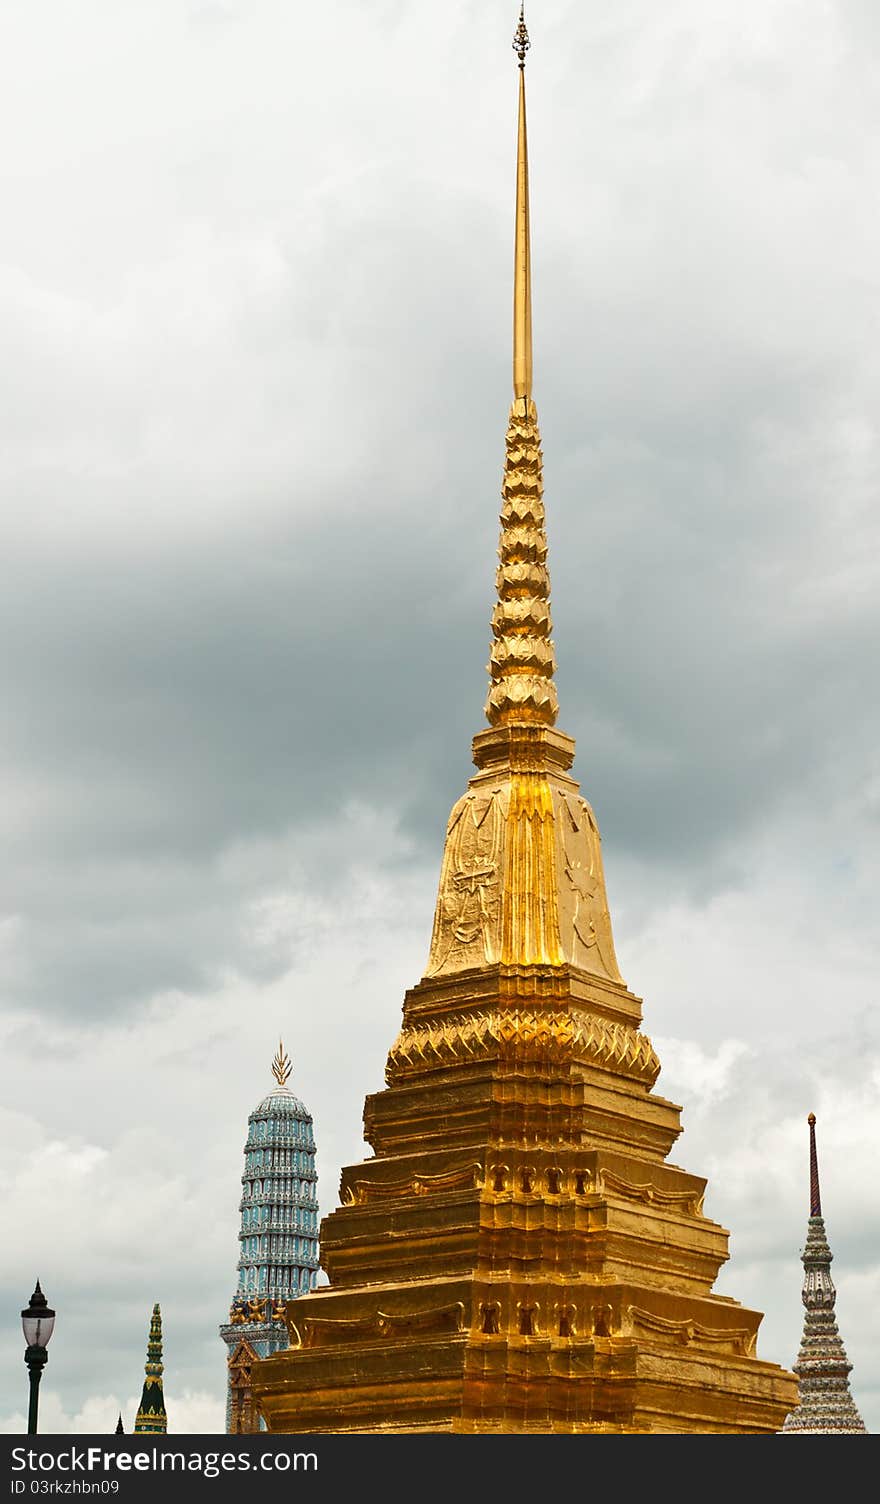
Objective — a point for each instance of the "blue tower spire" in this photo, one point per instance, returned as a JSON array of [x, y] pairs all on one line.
[[278, 1237]]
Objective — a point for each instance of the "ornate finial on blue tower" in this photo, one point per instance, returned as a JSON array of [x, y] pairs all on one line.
[[281, 1065], [278, 1237]]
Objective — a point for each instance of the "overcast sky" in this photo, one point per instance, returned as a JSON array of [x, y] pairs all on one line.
[[255, 293]]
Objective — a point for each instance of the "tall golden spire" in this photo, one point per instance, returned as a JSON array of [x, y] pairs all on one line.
[[522, 664], [522, 265]]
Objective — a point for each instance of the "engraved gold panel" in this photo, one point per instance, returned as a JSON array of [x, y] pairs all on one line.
[[522, 881], [585, 923], [467, 922]]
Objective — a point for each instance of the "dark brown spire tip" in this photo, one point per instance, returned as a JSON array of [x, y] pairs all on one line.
[[815, 1198]]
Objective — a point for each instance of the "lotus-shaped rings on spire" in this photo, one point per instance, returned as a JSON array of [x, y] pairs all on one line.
[[522, 661]]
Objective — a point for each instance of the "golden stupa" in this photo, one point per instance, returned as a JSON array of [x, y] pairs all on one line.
[[518, 1255]]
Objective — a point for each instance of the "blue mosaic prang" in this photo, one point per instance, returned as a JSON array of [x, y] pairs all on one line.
[[279, 1204], [278, 1237]]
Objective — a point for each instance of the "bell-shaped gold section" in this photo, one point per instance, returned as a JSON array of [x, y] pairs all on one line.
[[522, 881]]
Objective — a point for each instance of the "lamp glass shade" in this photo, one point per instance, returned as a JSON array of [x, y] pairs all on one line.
[[38, 1320], [37, 1328]]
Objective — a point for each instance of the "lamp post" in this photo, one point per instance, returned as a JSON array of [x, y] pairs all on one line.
[[37, 1323]]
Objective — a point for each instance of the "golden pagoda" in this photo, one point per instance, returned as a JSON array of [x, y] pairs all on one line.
[[518, 1255]]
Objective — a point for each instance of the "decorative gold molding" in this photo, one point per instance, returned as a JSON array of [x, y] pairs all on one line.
[[243, 1353], [436, 1319], [738, 1339], [607, 1182], [358, 1192], [323, 1331], [557, 1035]]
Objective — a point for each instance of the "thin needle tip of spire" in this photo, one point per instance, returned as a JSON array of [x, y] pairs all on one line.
[[521, 43], [811, 1119]]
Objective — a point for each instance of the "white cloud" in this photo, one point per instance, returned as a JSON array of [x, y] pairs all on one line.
[[193, 1414], [699, 1074]]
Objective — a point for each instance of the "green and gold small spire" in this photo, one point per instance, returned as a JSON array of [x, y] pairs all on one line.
[[151, 1414]]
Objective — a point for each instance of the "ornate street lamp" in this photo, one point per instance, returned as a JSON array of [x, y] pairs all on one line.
[[37, 1323]]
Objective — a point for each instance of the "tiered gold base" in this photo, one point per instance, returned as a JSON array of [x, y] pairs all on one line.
[[518, 1256]]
